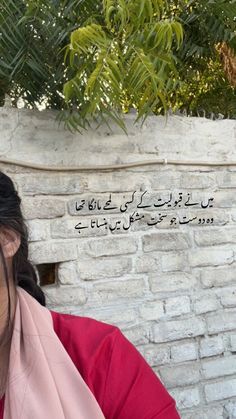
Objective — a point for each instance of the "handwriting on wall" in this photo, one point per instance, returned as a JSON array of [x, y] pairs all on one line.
[[182, 201]]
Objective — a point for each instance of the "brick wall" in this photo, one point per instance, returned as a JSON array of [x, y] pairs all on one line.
[[166, 279]]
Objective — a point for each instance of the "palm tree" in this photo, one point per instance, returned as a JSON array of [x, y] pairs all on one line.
[[96, 59]]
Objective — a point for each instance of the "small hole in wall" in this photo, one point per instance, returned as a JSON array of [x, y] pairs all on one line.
[[47, 273]]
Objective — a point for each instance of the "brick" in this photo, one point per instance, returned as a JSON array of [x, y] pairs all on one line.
[[166, 283], [178, 329], [210, 257], [67, 273], [147, 263], [167, 179], [110, 314], [103, 267], [219, 367], [227, 296], [186, 398], [177, 306], [211, 237], [221, 322], [152, 310], [211, 346], [224, 199], [180, 375], [197, 181], [50, 184], [233, 342], [230, 409], [174, 261], [205, 303], [156, 355], [73, 228], [165, 241], [207, 413], [63, 295], [38, 230], [108, 246], [184, 352], [217, 277], [220, 390], [138, 335], [35, 207], [52, 252], [233, 214], [112, 291], [116, 182], [226, 179]]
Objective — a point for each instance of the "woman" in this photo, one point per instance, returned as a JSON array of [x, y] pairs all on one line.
[[61, 366]]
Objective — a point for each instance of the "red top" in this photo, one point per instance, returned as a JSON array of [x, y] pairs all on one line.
[[123, 383]]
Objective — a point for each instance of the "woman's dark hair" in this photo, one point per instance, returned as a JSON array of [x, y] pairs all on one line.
[[24, 274]]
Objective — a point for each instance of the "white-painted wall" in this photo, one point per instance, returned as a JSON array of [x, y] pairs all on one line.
[[170, 287]]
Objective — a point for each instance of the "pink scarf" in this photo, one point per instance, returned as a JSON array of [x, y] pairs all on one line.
[[43, 382]]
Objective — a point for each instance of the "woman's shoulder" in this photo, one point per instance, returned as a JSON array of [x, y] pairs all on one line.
[[84, 337], [123, 383], [89, 343], [85, 329]]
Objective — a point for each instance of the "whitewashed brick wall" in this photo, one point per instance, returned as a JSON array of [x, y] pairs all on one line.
[[170, 288]]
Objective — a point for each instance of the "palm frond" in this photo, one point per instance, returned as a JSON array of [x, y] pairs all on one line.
[[125, 59]]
